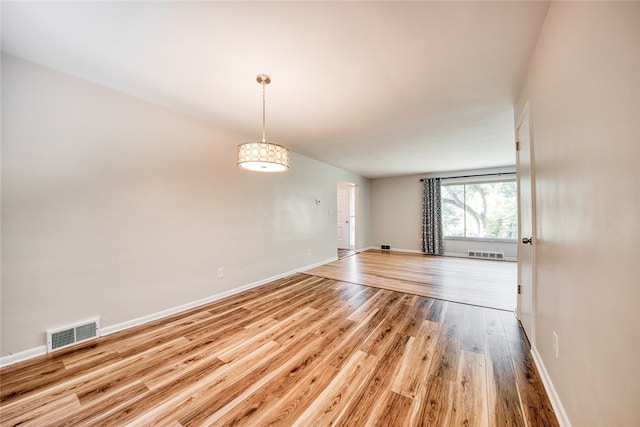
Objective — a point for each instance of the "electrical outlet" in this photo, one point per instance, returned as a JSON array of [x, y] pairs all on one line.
[[220, 272], [556, 344]]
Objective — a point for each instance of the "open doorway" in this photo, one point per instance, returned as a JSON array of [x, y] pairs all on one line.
[[346, 218]]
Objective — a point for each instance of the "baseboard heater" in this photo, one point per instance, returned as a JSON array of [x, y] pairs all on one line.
[[486, 255], [72, 334]]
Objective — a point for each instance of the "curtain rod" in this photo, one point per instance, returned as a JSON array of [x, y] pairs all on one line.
[[472, 176]]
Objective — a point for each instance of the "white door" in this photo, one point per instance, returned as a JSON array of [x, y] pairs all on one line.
[[343, 218], [526, 225]]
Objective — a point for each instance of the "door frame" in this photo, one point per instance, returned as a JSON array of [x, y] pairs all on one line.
[[526, 115], [353, 200]]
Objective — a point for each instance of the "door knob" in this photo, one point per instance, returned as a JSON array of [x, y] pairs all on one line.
[[527, 240]]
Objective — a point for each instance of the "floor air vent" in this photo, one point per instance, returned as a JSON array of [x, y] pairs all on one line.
[[486, 255], [72, 334]]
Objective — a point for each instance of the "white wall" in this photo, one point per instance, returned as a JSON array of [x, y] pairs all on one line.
[[584, 90], [396, 215], [115, 207]]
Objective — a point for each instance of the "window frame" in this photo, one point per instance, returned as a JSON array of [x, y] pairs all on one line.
[[481, 180]]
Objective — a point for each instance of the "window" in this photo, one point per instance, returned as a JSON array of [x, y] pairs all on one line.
[[480, 210]]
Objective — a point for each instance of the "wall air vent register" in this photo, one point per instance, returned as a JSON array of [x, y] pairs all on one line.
[[486, 255], [72, 334]]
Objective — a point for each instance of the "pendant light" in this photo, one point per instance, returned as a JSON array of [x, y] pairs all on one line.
[[263, 156]]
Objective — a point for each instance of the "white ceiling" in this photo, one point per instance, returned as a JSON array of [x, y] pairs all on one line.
[[378, 88]]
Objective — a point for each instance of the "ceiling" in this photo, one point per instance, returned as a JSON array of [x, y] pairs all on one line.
[[377, 88]]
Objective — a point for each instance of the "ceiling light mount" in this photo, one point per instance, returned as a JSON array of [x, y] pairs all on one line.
[[263, 156], [263, 78]]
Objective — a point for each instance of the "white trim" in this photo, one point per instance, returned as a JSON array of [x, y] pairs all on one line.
[[377, 248], [411, 251], [456, 255], [563, 419], [526, 109], [168, 312], [414, 251], [526, 114], [107, 330], [308, 267], [23, 355]]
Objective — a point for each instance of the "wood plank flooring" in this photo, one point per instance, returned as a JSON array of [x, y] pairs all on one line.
[[303, 351], [470, 281], [343, 253]]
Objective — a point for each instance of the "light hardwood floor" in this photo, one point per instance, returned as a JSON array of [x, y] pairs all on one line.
[[343, 253], [304, 350], [470, 281]]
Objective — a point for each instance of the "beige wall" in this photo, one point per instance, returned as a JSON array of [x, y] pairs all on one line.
[[118, 208], [396, 212], [584, 90]]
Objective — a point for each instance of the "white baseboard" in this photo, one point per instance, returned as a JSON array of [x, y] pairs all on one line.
[[411, 251], [309, 267], [106, 330], [414, 251], [456, 255], [23, 355], [159, 315], [563, 420]]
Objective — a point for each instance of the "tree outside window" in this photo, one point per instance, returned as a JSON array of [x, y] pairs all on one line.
[[480, 210]]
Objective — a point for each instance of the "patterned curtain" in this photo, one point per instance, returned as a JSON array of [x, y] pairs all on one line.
[[432, 238]]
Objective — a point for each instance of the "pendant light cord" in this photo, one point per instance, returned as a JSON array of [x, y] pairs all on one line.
[[264, 139]]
